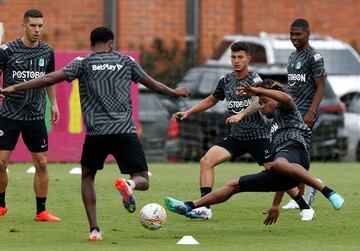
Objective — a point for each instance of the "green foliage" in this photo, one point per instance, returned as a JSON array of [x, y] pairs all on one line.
[[167, 64], [236, 224]]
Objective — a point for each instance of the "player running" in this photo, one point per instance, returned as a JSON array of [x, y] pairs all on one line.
[[290, 139], [104, 84]]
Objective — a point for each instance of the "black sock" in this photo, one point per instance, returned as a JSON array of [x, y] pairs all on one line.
[[2, 199], [204, 191], [40, 204], [93, 228], [327, 192], [190, 204], [301, 202]]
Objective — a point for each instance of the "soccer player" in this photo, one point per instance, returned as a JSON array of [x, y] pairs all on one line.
[[104, 84], [290, 139], [249, 133], [306, 83], [23, 59]]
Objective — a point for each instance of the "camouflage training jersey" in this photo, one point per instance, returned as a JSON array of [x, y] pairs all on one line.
[[289, 128], [104, 85], [19, 64], [252, 126], [303, 68]]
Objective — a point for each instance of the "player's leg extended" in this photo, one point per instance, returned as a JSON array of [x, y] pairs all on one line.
[[88, 194], [215, 197], [216, 155], [219, 195], [298, 172], [4, 158]]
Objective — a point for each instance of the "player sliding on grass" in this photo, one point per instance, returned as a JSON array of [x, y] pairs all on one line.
[[290, 139], [249, 133], [104, 84]]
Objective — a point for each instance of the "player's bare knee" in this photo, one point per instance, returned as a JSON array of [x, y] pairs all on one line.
[[143, 185], [233, 185], [205, 163], [3, 165], [41, 165], [279, 164], [146, 186]]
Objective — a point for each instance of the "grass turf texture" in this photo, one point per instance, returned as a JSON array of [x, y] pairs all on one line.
[[236, 224]]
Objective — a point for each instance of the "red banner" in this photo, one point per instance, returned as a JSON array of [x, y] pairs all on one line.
[[67, 137]]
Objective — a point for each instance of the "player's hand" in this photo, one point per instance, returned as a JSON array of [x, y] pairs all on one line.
[[234, 118], [272, 215], [1, 96], [246, 90], [7, 90], [180, 115], [309, 119], [181, 92], [55, 114]]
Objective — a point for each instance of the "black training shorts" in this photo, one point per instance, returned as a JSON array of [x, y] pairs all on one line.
[[270, 180], [33, 132], [126, 149], [259, 149]]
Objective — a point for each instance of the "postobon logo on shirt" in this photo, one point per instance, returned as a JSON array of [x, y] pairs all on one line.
[[27, 74], [297, 77], [238, 105]]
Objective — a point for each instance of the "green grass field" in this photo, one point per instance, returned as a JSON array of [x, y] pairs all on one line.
[[236, 224]]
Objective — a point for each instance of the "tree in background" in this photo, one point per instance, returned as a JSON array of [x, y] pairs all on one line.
[[168, 64]]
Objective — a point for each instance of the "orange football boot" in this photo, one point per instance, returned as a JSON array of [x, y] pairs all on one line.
[[46, 216], [3, 211]]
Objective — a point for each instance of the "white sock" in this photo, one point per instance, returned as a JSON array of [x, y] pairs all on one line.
[[131, 183]]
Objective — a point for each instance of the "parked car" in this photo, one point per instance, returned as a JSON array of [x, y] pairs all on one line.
[[158, 134], [200, 131], [342, 62], [352, 127]]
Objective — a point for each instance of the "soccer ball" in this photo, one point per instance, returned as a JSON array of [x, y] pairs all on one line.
[[152, 216]]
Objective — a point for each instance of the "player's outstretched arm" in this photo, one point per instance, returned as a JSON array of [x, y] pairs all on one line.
[[43, 81], [203, 105], [160, 88], [282, 97]]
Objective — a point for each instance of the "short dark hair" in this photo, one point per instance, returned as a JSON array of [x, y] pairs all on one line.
[[32, 13], [302, 23], [101, 35], [240, 46], [271, 84]]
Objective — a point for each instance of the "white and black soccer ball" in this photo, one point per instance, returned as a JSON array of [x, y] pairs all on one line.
[[152, 216]]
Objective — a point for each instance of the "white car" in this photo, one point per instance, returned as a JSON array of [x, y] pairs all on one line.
[[342, 62], [352, 126]]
